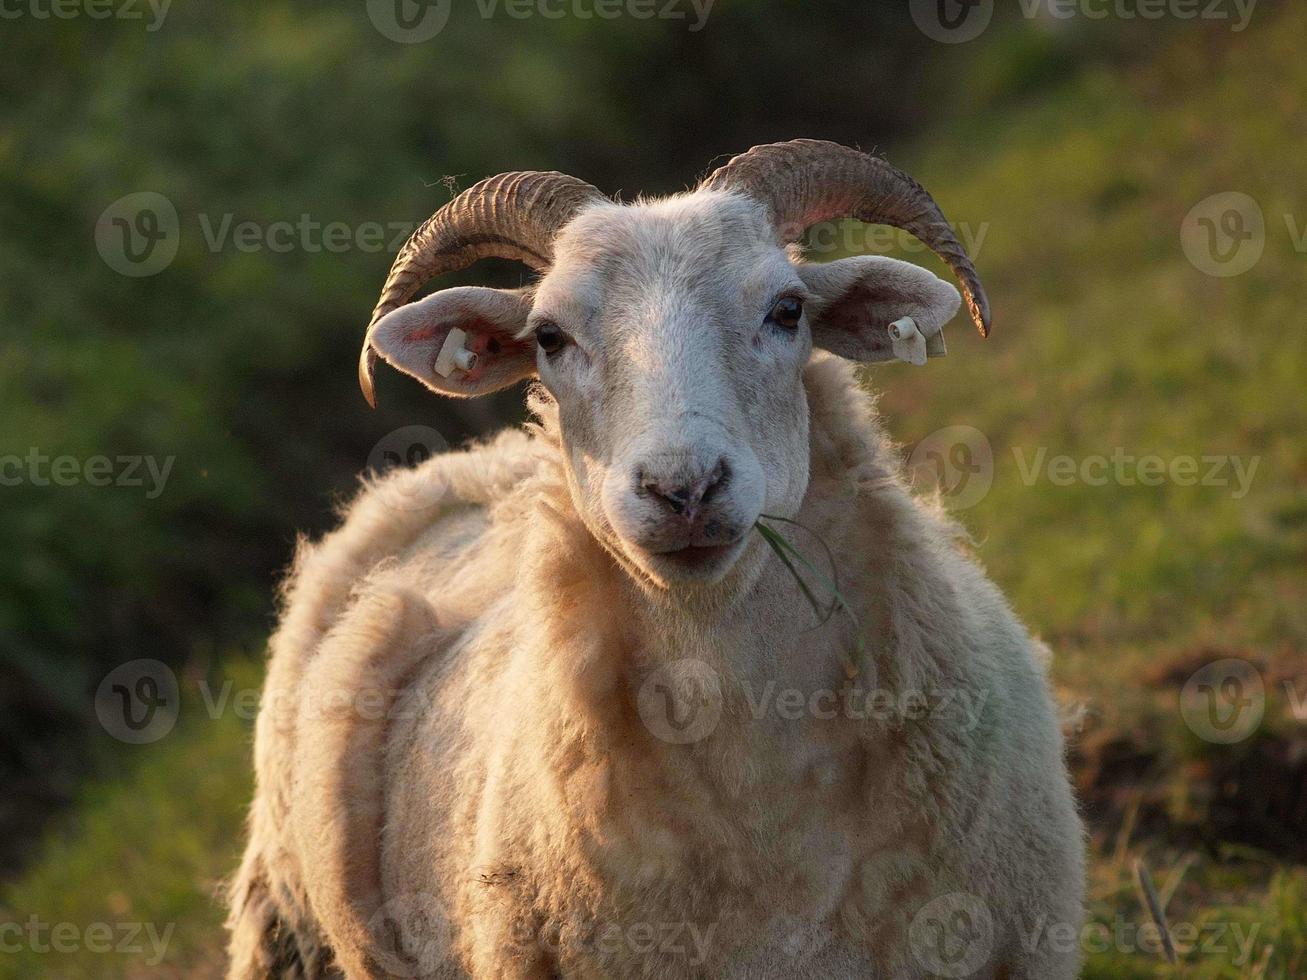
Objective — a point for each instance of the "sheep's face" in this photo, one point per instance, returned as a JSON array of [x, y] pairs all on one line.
[[673, 336]]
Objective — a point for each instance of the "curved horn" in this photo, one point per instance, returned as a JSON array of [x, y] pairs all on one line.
[[512, 216], [805, 182]]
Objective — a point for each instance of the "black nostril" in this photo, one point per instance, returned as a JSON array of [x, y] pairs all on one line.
[[686, 497], [677, 499], [717, 479]]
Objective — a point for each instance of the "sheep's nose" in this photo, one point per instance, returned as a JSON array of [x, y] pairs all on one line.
[[681, 495]]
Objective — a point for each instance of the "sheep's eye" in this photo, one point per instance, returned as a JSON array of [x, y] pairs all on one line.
[[787, 312], [551, 338]]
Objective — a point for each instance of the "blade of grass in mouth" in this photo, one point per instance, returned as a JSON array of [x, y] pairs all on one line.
[[789, 554]]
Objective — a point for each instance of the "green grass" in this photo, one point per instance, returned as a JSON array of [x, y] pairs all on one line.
[[144, 853], [1105, 338]]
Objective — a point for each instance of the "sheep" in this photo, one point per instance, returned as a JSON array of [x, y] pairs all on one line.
[[547, 706]]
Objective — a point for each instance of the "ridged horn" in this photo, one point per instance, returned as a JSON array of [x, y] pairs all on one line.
[[805, 182], [512, 216]]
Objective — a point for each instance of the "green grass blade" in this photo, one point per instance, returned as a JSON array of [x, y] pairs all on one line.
[[785, 550]]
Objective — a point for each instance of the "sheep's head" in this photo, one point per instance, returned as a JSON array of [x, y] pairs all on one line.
[[672, 334]]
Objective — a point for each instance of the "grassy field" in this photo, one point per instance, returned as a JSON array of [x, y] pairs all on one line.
[[1110, 346]]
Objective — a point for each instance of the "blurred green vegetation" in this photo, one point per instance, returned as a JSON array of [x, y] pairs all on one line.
[[1077, 153], [237, 362], [150, 844]]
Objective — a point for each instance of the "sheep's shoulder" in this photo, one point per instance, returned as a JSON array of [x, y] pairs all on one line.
[[357, 619], [427, 515]]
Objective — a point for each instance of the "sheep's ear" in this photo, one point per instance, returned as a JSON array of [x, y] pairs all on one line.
[[856, 300], [460, 341]]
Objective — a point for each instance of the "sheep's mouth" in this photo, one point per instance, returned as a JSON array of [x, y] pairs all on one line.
[[696, 561]]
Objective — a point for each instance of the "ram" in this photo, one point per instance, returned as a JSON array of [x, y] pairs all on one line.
[[562, 705]]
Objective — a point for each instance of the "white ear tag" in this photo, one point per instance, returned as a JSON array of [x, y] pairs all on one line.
[[911, 346], [907, 341], [454, 356]]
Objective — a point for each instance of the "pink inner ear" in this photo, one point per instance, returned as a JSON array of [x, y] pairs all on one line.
[[423, 333], [479, 330], [868, 307], [484, 338]]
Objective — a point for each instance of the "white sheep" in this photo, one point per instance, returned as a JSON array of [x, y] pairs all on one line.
[[550, 707]]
